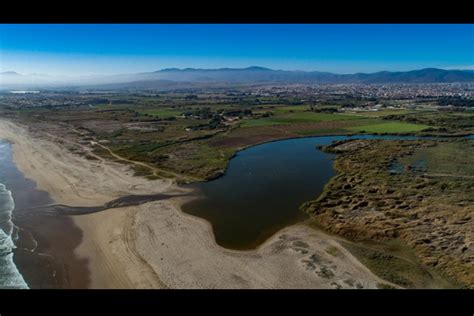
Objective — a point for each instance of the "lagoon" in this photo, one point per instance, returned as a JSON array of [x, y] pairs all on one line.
[[263, 187]]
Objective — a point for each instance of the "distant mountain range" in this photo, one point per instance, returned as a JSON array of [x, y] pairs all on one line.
[[251, 75], [9, 73], [260, 74]]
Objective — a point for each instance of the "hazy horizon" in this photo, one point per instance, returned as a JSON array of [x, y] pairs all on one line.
[[112, 49], [12, 80], [12, 71]]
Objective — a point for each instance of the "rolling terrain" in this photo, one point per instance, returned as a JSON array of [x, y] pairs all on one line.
[[174, 78]]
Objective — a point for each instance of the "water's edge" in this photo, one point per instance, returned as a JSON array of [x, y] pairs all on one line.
[[215, 186], [10, 276]]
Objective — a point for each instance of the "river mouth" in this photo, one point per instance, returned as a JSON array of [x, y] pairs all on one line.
[[264, 186]]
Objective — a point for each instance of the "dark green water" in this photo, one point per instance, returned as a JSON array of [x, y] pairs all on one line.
[[263, 187]]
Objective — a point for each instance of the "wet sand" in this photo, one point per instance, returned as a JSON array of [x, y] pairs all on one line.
[[155, 244], [76, 185], [48, 238], [52, 263], [45, 247]]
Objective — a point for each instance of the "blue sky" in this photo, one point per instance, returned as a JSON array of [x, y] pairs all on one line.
[[110, 49]]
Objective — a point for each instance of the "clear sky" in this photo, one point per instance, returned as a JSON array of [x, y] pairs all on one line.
[[111, 49]]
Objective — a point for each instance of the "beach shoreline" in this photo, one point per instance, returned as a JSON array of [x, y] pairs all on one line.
[[156, 245]]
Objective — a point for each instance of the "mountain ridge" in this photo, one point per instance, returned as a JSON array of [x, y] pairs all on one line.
[[248, 75], [425, 75]]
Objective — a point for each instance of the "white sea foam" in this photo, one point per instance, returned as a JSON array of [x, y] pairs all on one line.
[[10, 277]]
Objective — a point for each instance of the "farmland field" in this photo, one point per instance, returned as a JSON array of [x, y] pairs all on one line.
[[300, 117], [390, 127]]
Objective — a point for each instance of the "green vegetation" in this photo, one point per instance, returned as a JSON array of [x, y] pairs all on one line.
[[161, 113], [290, 109], [422, 204], [389, 127], [391, 268], [211, 126], [299, 117], [385, 112], [459, 101], [448, 158], [333, 251], [426, 204], [181, 134], [441, 122], [197, 159], [260, 122], [142, 171], [324, 131], [384, 286]]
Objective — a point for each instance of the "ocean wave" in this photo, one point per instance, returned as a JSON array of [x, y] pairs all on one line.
[[10, 277], [7, 205]]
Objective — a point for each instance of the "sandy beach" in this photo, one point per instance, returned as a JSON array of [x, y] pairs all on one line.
[[156, 245]]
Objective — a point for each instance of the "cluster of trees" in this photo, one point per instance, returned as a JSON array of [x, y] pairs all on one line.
[[267, 114], [237, 112], [215, 122], [291, 102], [316, 109], [207, 113], [217, 118], [203, 113], [456, 101]]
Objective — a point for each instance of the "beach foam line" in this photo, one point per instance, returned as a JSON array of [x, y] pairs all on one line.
[[10, 277]]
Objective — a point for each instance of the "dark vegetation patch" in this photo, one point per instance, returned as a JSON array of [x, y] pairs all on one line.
[[441, 122], [391, 268], [428, 205]]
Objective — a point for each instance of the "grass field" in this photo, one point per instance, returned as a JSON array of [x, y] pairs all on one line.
[[299, 117], [450, 122], [290, 109], [382, 113], [449, 158], [390, 127], [324, 131]]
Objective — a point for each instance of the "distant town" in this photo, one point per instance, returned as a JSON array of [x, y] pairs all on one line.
[[351, 97]]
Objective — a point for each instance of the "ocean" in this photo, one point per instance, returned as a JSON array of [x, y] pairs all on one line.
[[10, 277]]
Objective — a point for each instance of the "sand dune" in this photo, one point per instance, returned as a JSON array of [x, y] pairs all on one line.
[[155, 245]]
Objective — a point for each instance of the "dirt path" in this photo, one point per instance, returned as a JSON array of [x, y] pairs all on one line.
[[155, 170], [138, 163], [156, 245]]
